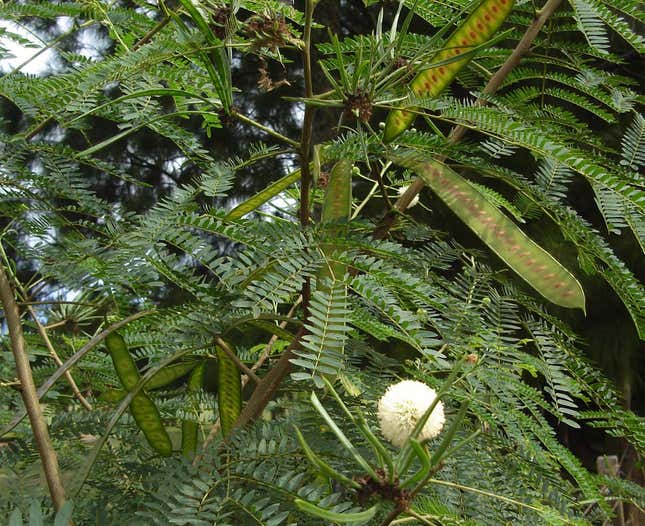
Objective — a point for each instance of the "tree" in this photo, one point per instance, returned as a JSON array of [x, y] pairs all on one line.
[[250, 340]]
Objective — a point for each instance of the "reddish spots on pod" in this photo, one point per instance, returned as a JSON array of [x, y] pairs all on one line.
[[427, 85], [487, 17], [473, 35], [515, 248], [441, 70], [559, 285], [434, 78], [568, 293], [464, 42], [457, 51], [523, 254], [480, 26], [397, 122], [494, 9], [541, 268], [530, 262], [503, 2], [549, 276]]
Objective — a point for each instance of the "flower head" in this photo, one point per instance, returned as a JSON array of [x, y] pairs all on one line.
[[401, 407], [415, 199]]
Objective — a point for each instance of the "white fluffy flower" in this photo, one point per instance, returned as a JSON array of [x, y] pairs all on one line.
[[401, 407], [415, 199]]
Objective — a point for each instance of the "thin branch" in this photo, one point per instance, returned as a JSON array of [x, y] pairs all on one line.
[[42, 330], [148, 36], [28, 392], [71, 362], [458, 132], [239, 116], [307, 125], [240, 365], [270, 383], [52, 351], [484, 493]]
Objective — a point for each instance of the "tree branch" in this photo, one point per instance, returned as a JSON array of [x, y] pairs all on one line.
[[269, 385], [28, 392], [458, 132], [71, 362]]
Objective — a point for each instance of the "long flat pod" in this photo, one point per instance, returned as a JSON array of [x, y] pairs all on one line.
[[189, 428], [143, 409], [479, 27], [229, 391], [336, 210], [534, 264]]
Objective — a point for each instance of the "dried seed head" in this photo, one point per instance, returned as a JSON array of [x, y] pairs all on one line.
[[220, 19], [359, 106], [269, 32]]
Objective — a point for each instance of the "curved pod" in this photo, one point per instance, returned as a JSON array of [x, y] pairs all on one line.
[[535, 265], [142, 408], [479, 27]]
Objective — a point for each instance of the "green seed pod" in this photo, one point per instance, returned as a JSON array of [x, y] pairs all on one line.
[[124, 365], [112, 395], [189, 428], [337, 208], [169, 374], [479, 27], [147, 417], [143, 409], [229, 391], [536, 266]]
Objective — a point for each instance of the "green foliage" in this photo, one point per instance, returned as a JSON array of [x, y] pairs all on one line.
[[87, 240]]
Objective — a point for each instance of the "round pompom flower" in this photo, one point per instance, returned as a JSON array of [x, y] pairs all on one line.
[[401, 407], [415, 199]]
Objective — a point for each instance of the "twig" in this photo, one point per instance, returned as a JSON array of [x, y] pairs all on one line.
[[266, 352], [68, 376], [270, 383], [148, 36], [42, 330], [239, 116], [307, 125], [240, 365], [72, 361], [28, 392], [458, 132]]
